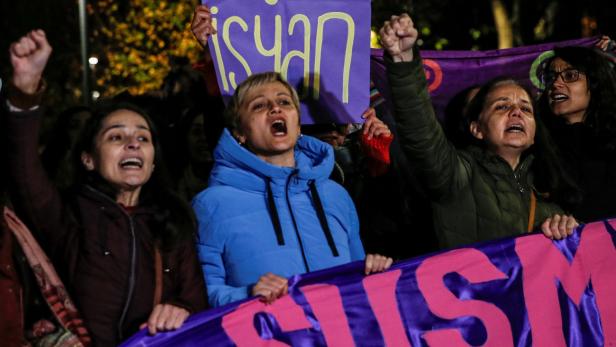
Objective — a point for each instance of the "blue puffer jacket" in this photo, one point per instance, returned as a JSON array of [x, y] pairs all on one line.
[[256, 218]]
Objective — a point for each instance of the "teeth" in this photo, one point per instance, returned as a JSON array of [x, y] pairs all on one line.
[[559, 97], [515, 127], [131, 162]]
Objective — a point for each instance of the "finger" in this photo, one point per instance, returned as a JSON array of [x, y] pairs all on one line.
[[369, 113], [388, 263], [267, 296], [143, 325], [180, 318], [40, 39], [379, 262], [153, 320], [545, 228], [382, 130], [369, 263], [562, 227], [200, 13], [201, 28], [21, 47], [27, 44], [176, 318], [554, 226], [276, 280], [571, 225], [367, 125], [166, 314], [169, 319]]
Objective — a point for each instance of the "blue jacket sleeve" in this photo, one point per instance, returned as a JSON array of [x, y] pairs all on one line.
[[210, 246]]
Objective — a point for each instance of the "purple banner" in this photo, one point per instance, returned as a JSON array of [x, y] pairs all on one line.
[[320, 47], [450, 72], [520, 291]]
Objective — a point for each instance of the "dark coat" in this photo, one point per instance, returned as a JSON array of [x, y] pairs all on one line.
[[104, 254], [475, 194], [592, 165]]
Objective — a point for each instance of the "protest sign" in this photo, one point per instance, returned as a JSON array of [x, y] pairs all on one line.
[[321, 47]]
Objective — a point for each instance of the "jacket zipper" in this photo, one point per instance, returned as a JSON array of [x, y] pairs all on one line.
[[133, 263], [516, 177], [131, 277], [299, 239]]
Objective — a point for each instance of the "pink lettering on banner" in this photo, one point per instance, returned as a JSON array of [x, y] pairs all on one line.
[[543, 264], [381, 291], [239, 326], [326, 304], [475, 266]]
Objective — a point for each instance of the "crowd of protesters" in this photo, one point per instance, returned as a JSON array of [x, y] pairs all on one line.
[[108, 196]]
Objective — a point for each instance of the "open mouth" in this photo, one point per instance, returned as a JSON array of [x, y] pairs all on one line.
[[558, 97], [515, 128], [131, 163], [279, 127]]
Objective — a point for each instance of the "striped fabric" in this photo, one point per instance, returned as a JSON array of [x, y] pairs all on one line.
[[74, 333]]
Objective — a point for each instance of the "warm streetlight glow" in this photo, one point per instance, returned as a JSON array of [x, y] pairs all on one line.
[[93, 60]]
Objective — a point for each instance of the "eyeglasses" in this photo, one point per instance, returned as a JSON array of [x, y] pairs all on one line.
[[569, 75]]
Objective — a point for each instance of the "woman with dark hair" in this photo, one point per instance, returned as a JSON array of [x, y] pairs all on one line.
[[486, 190], [579, 108], [121, 241]]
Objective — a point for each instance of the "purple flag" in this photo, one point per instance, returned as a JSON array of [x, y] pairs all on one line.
[[321, 47], [450, 72], [519, 291]]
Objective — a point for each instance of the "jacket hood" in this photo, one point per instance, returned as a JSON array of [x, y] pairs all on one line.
[[236, 166]]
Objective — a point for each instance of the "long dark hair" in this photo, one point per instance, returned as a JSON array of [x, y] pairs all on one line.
[[548, 168], [174, 220], [600, 115]]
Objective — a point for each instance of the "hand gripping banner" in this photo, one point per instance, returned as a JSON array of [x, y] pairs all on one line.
[[524, 291]]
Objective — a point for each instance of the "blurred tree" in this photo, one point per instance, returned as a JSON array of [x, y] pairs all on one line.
[[502, 23], [136, 40]]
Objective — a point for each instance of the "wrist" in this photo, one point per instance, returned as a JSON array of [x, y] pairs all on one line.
[[27, 84], [23, 100], [403, 57]]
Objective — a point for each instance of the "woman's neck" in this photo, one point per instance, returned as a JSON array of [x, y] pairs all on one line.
[[511, 156], [286, 159], [128, 198], [574, 118]]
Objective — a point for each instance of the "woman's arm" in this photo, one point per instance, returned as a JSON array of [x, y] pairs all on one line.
[[438, 165], [34, 196]]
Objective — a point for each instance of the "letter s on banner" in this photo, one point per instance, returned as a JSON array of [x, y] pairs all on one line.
[[239, 325], [475, 266], [543, 263]]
